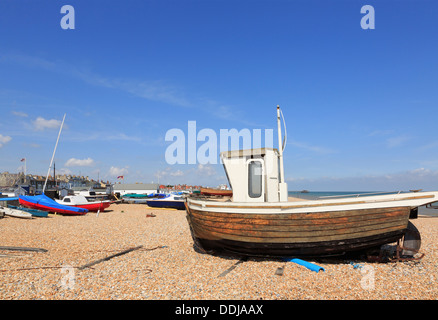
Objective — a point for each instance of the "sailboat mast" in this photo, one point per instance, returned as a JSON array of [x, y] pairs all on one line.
[[53, 156]]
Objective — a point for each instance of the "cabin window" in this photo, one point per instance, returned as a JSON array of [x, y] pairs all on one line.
[[255, 179], [67, 200]]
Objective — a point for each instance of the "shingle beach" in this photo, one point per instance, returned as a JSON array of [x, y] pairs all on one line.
[[163, 264]]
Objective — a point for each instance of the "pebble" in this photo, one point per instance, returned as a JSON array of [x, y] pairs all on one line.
[[173, 270]]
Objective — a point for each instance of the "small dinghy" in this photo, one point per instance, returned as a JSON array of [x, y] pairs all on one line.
[[34, 212], [168, 201], [16, 213]]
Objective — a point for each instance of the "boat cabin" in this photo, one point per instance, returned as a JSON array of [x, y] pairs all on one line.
[[73, 200], [254, 175]]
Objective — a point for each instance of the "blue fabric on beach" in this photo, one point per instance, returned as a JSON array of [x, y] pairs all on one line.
[[8, 199], [306, 264]]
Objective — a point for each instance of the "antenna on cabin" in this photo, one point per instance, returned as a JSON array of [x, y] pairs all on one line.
[[53, 156], [282, 186], [280, 145]]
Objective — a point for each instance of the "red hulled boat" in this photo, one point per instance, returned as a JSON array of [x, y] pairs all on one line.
[[80, 201]]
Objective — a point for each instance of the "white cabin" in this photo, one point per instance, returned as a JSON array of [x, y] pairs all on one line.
[[254, 175]]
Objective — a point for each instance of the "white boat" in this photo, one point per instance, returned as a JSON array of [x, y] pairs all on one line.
[[16, 213], [174, 201], [259, 219], [80, 201]]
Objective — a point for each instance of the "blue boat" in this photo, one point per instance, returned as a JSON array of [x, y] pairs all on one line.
[[44, 203], [168, 201]]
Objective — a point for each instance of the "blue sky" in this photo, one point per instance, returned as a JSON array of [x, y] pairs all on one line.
[[360, 105]]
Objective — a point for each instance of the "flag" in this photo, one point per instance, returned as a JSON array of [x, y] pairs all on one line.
[[24, 159], [120, 177]]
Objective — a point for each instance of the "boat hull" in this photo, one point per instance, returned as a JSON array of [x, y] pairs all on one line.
[[93, 207], [297, 234], [33, 212], [166, 204], [216, 192], [17, 213]]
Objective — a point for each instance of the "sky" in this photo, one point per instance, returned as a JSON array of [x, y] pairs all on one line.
[[360, 105]]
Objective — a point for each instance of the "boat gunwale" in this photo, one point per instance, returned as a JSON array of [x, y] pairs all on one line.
[[304, 204]]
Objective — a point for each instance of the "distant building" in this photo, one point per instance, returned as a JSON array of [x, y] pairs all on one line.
[[33, 184], [179, 188], [137, 188]]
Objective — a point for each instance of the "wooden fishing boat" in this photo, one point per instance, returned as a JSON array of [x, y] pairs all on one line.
[[259, 220], [80, 201]]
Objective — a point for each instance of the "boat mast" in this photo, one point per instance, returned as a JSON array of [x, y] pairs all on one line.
[[53, 156]]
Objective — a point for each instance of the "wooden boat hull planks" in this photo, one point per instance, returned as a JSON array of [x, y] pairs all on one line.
[[298, 233]]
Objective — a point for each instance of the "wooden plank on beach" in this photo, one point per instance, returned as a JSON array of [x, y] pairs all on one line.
[[23, 249]]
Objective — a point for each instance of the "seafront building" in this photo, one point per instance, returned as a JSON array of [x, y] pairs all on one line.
[[137, 188], [20, 184]]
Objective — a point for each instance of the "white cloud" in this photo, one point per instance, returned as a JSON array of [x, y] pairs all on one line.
[[64, 171], [177, 173], [380, 133], [115, 171], [168, 172], [73, 162], [40, 124], [396, 141], [19, 114], [153, 90], [432, 145], [317, 149], [4, 140], [206, 170]]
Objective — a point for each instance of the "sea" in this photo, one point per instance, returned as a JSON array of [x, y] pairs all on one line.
[[314, 195]]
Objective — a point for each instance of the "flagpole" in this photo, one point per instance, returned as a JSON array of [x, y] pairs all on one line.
[[53, 156], [23, 168]]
